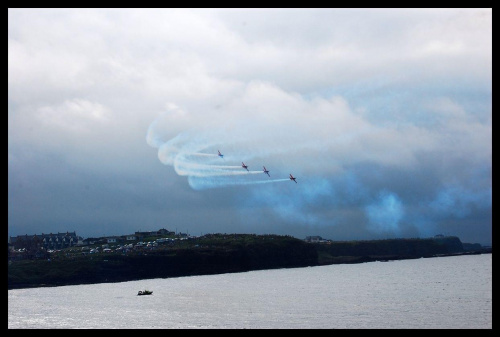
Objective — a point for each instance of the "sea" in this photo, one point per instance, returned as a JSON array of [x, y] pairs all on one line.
[[453, 292]]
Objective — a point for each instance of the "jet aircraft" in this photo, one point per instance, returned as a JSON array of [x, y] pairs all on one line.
[[293, 178], [220, 154], [266, 171], [244, 166]]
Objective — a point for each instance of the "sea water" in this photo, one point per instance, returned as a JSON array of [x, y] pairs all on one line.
[[429, 293]]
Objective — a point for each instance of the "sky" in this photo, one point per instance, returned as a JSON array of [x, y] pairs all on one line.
[[384, 116]]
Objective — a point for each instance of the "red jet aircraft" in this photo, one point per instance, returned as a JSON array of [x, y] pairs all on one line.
[[266, 171]]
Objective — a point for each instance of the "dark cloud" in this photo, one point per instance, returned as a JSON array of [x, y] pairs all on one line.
[[384, 117]]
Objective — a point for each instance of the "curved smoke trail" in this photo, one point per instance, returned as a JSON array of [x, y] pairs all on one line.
[[199, 161]]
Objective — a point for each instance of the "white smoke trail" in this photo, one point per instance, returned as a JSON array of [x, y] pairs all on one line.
[[198, 183], [189, 157], [202, 154], [197, 165]]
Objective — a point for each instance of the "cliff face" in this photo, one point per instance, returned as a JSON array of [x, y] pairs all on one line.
[[401, 248], [472, 246], [216, 254]]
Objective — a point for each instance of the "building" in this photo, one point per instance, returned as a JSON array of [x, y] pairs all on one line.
[[115, 239], [315, 238], [46, 241], [160, 232]]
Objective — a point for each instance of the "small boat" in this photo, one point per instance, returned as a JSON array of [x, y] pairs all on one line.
[[145, 292]]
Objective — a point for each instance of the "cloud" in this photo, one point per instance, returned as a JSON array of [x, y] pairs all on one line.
[[371, 109], [322, 142], [385, 213], [73, 115]]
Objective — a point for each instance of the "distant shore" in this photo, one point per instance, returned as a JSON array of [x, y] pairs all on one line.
[[218, 254]]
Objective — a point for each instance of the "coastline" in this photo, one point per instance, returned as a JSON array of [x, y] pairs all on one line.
[[228, 269]]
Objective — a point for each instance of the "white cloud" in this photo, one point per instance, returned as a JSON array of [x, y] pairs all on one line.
[[325, 93], [74, 115], [266, 121]]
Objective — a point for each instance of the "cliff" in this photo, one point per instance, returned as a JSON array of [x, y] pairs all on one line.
[[391, 249], [211, 254], [215, 254]]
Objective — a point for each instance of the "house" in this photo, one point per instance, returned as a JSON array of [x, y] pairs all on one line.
[[146, 234], [159, 232], [315, 238], [114, 239], [47, 241], [90, 241], [164, 231]]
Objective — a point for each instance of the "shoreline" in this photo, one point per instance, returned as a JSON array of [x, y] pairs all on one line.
[[338, 260]]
